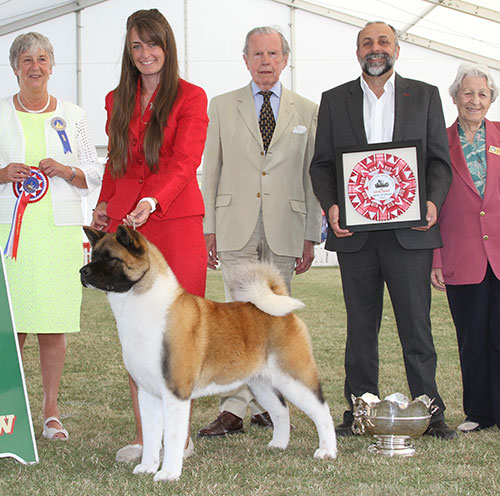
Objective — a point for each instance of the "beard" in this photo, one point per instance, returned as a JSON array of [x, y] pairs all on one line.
[[377, 68]]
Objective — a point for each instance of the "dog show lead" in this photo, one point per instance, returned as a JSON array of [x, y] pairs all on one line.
[[178, 346], [157, 125]]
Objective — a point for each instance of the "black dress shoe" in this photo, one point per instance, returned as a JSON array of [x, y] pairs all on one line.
[[344, 429], [225, 423], [441, 430], [261, 420]]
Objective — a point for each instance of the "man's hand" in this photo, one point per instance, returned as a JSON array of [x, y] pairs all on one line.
[[333, 219], [211, 243], [303, 264], [431, 217]]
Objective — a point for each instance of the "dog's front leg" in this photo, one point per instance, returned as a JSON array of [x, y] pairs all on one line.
[[176, 423], [150, 407]]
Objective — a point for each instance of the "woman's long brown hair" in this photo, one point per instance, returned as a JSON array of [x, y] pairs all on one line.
[[150, 25]]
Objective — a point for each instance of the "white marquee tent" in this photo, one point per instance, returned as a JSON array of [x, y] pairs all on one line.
[[88, 35], [436, 35]]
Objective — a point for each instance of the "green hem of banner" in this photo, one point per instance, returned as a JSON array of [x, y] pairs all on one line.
[[19, 459]]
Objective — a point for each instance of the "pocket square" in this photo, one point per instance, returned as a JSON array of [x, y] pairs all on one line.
[[299, 130]]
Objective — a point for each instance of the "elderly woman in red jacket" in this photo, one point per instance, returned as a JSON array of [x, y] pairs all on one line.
[[468, 264], [157, 126]]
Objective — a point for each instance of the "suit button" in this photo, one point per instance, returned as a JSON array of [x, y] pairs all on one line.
[[262, 153], [258, 195], [264, 173], [482, 214], [141, 181], [485, 237], [140, 161]]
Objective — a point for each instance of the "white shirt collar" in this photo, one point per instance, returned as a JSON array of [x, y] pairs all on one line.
[[388, 86], [276, 89]]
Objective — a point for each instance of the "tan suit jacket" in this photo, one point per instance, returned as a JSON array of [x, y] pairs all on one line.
[[239, 178]]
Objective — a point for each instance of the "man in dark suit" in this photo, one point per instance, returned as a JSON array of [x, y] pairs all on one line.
[[381, 106]]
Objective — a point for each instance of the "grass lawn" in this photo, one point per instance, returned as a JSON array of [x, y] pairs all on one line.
[[95, 407]]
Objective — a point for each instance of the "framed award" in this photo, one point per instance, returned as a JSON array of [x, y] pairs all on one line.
[[381, 186]]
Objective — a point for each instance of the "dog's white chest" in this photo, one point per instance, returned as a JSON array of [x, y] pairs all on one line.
[[141, 322]]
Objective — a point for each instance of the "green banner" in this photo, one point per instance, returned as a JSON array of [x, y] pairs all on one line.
[[17, 438]]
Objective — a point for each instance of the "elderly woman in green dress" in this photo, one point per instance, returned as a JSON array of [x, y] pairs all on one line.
[[48, 162]]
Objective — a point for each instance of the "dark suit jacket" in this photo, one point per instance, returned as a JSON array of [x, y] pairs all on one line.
[[418, 115]]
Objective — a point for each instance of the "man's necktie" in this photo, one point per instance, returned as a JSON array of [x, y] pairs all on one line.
[[266, 120]]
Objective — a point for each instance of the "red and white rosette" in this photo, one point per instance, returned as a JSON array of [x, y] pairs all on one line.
[[32, 189], [382, 187]]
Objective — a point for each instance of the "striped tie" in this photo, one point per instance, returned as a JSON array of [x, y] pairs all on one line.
[[266, 120]]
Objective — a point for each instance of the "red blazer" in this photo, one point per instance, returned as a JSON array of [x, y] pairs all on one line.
[[470, 225], [174, 185]]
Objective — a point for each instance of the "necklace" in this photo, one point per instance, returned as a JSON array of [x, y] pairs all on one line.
[[33, 111]]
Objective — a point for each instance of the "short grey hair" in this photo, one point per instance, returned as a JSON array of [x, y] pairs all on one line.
[[28, 42], [285, 47], [396, 38], [475, 70]]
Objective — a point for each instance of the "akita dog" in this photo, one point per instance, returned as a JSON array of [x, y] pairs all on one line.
[[178, 346]]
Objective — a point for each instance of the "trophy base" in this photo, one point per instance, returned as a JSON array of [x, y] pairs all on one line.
[[392, 446]]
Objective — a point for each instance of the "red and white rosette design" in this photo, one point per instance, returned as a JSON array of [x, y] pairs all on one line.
[[32, 189], [382, 187]]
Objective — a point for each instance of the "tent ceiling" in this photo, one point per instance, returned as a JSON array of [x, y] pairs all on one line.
[[458, 28], [21, 14], [455, 27]]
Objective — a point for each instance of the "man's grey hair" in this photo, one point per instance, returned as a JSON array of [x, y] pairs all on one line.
[[28, 42], [476, 70], [285, 47], [396, 39]]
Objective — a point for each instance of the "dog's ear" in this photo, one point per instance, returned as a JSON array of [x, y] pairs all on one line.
[[93, 234], [130, 239]]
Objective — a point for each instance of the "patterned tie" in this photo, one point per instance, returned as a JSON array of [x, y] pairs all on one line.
[[266, 120]]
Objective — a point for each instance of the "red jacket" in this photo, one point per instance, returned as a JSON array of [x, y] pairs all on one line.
[[470, 225], [174, 185]]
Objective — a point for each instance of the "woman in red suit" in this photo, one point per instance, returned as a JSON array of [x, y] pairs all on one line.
[[157, 128], [468, 264]]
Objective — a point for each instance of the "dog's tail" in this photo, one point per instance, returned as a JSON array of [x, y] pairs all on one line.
[[263, 285]]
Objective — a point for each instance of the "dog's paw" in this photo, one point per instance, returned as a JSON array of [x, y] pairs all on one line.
[[166, 475], [277, 445], [144, 468], [325, 454]]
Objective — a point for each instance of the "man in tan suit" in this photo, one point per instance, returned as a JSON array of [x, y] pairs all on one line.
[[256, 186]]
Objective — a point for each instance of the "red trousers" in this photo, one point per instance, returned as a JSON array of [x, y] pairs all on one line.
[[182, 243]]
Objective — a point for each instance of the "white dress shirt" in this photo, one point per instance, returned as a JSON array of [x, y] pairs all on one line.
[[378, 113]]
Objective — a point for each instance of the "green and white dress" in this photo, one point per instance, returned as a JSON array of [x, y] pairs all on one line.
[[44, 281]]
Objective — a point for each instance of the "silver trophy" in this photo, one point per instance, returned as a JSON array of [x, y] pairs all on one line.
[[393, 421]]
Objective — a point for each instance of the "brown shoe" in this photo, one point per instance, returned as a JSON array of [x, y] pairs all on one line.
[[225, 423], [264, 420], [261, 420]]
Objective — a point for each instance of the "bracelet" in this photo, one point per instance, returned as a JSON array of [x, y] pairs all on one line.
[[73, 174], [151, 202]]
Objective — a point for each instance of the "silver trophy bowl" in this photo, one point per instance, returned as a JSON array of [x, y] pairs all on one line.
[[393, 421]]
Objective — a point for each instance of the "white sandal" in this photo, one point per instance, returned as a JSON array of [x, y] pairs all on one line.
[[133, 452], [50, 432]]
